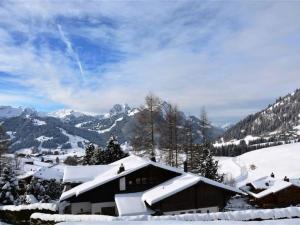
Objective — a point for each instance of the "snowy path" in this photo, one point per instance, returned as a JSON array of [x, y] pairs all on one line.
[[266, 222], [243, 170]]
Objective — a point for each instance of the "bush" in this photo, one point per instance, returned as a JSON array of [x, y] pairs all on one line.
[[20, 215]]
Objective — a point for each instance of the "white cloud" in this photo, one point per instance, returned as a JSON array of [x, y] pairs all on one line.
[[193, 53]]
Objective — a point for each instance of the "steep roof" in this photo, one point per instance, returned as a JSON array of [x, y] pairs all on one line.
[[81, 174], [133, 163], [169, 188], [178, 184]]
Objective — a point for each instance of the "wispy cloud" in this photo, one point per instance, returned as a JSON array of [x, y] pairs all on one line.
[[70, 49], [226, 56]]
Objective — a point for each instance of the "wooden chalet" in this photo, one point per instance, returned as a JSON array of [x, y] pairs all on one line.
[[268, 192], [135, 186]]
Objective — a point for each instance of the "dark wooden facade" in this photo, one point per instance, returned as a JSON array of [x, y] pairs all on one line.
[[139, 180], [284, 198], [201, 195]]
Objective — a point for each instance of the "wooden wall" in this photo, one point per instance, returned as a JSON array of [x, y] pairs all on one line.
[[140, 180], [286, 197], [201, 195]]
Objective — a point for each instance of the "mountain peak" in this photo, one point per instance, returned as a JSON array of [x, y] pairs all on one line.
[[118, 109], [63, 113]]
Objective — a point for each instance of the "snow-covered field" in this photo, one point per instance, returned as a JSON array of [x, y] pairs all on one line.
[[268, 222], [282, 160]]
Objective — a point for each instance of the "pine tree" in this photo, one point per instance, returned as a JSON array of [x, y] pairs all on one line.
[[37, 189], [204, 164], [98, 157], [53, 189], [8, 187], [89, 152], [113, 151], [3, 141]]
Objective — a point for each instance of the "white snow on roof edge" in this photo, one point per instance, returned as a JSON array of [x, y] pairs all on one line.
[[133, 163]]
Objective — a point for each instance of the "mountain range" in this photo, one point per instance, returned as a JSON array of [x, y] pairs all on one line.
[[69, 129]]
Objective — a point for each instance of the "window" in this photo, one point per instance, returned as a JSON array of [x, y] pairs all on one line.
[[144, 180], [138, 180], [152, 180], [130, 182], [122, 184]]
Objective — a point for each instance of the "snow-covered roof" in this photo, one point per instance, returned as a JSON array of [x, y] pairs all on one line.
[[169, 188], [80, 174], [295, 182], [262, 183], [133, 163], [25, 175], [277, 185], [178, 184], [131, 204], [45, 173], [269, 185]]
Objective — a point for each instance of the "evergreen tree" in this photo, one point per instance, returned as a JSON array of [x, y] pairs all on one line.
[[53, 189], [8, 187], [3, 141], [38, 190], [89, 152], [204, 164], [71, 160], [98, 157], [113, 151], [3, 147]]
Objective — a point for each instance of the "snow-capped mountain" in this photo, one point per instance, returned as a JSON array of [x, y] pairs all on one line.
[[8, 111], [69, 129], [280, 121], [64, 113]]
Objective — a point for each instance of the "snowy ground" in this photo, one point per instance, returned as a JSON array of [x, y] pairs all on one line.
[[158, 222], [282, 160]]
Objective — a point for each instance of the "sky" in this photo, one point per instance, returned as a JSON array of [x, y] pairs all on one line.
[[233, 57]]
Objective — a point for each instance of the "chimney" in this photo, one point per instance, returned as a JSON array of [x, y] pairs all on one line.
[[121, 168], [185, 166], [286, 179], [272, 175], [152, 157]]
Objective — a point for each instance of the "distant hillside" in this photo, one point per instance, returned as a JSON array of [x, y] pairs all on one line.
[[70, 130], [277, 124], [280, 120], [282, 160]]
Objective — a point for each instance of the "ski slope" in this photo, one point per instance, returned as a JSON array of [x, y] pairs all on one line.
[[282, 160]]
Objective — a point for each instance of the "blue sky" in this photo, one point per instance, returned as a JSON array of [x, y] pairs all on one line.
[[233, 57]]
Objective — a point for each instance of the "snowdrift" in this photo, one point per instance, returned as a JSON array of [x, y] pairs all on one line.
[[282, 160], [246, 215]]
